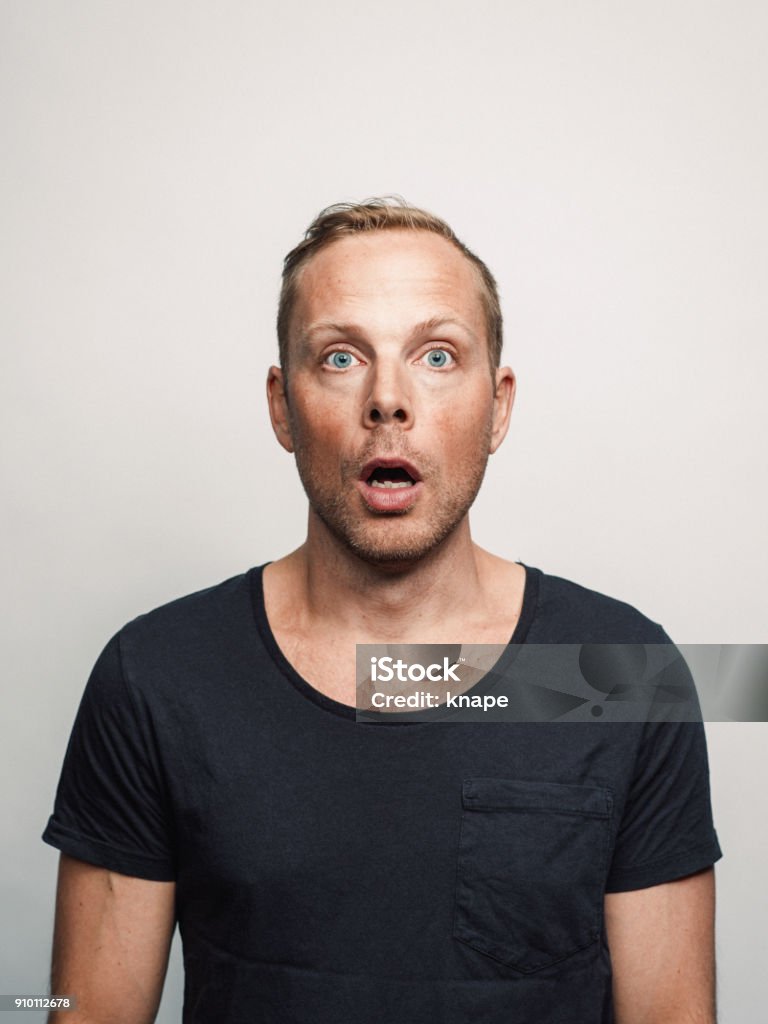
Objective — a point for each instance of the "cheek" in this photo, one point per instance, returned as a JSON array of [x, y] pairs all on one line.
[[460, 439], [464, 418], [321, 426]]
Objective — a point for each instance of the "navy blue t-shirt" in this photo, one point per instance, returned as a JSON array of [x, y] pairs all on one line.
[[333, 871]]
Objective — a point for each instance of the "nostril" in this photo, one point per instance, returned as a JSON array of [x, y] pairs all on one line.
[[376, 415]]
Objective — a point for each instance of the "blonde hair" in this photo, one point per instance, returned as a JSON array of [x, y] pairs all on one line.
[[386, 213]]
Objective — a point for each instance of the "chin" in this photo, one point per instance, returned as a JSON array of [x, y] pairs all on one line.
[[396, 544], [390, 557]]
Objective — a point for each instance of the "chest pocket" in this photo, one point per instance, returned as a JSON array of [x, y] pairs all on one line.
[[531, 871]]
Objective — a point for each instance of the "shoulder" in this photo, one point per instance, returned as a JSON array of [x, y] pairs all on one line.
[[211, 606], [569, 612], [207, 625]]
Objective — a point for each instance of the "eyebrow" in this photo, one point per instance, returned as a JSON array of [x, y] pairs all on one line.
[[433, 323]]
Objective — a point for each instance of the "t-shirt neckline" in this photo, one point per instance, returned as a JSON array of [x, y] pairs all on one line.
[[307, 690]]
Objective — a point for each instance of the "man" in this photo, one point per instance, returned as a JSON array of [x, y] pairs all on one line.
[[324, 869]]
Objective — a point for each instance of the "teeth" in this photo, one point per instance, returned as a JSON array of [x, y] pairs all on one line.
[[390, 483]]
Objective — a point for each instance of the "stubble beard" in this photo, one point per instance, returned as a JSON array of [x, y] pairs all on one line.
[[394, 538]]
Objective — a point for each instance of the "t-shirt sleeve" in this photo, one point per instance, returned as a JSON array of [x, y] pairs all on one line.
[[666, 830], [110, 807]]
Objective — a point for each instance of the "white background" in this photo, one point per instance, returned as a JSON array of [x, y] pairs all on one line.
[[608, 160]]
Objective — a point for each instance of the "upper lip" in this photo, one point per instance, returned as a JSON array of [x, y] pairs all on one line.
[[374, 464]]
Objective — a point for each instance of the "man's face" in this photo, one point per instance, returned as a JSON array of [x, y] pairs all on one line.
[[390, 405]]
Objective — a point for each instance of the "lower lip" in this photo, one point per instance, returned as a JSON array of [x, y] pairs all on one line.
[[389, 499]]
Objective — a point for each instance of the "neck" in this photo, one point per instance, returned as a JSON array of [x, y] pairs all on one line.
[[393, 601]]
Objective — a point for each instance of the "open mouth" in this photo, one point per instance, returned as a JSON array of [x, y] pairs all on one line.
[[390, 478], [390, 474], [390, 485]]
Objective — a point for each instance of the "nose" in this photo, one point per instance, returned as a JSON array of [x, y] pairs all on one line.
[[388, 400]]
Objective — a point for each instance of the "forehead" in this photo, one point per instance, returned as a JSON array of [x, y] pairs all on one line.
[[389, 278]]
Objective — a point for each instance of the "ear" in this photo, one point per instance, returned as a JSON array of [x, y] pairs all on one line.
[[278, 407], [503, 400]]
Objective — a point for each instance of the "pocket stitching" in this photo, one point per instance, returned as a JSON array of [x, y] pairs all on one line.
[[533, 967]]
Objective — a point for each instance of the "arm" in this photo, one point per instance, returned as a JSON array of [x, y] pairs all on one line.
[[111, 943], [661, 941]]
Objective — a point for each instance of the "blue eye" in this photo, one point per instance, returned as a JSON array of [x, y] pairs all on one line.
[[340, 360], [439, 357]]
